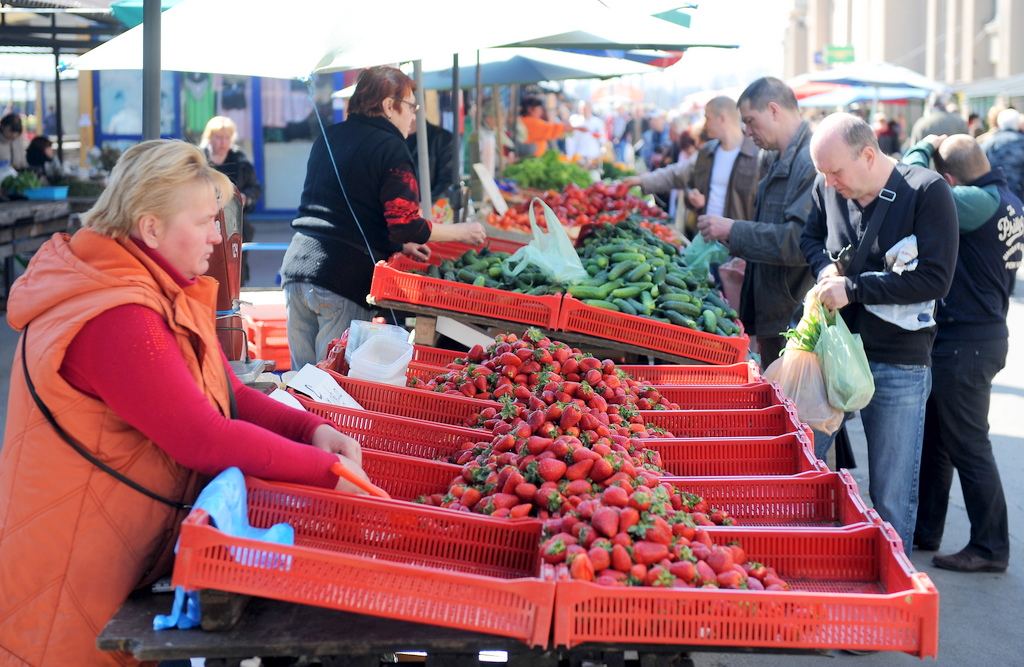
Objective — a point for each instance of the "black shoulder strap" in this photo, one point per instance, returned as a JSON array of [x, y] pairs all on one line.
[[886, 196], [81, 450]]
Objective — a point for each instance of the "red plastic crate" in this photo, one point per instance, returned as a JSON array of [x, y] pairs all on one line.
[[788, 454], [382, 558], [772, 421], [727, 397], [424, 372], [435, 356], [408, 477], [266, 328], [578, 317], [454, 249], [398, 434], [743, 372], [408, 402], [811, 500], [853, 588], [391, 283]]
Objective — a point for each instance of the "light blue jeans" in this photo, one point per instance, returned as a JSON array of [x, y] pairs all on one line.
[[894, 429], [316, 316]]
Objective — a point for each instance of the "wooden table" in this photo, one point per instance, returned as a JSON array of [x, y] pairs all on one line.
[[269, 628], [25, 225], [426, 319]]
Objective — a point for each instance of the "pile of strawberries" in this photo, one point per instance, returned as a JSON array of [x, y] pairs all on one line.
[[562, 449]]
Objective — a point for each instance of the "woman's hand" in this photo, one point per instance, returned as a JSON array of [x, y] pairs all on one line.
[[345, 485], [472, 233], [418, 250], [330, 439]]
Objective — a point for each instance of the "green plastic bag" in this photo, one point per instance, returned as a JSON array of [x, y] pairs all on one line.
[[552, 252], [844, 365], [700, 254]]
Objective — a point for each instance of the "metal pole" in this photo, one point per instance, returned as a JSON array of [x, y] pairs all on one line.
[[151, 69], [426, 200], [455, 194], [56, 94]]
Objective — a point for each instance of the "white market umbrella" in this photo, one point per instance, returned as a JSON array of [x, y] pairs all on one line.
[[525, 65], [297, 39], [845, 95], [875, 75], [628, 31]]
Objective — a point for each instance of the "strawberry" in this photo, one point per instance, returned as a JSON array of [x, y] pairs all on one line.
[[553, 549], [628, 518], [705, 573], [476, 353], [602, 470], [659, 531], [551, 470], [641, 498], [470, 497], [730, 579], [505, 500], [660, 576], [580, 567], [637, 574], [754, 584], [521, 510], [600, 558], [648, 553], [615, 496], [621, 558], [578, 487], [526, 491], [580, 469], [549, 499], [684, 570], [605, 521]]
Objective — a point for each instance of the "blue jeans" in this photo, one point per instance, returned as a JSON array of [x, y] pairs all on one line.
[[316, 316], [894, 429]]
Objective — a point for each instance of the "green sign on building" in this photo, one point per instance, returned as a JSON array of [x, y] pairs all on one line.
[[838, 54]]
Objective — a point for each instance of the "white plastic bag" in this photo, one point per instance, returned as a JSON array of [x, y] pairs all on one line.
[[799, 375], [551, 252], [900, 258]]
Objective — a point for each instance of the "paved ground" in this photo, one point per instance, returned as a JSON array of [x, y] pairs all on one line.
[[980, 614]]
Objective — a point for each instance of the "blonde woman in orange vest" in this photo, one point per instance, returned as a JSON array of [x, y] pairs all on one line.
[[119, 345]]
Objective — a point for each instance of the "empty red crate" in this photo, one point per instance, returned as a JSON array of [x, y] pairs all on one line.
[[398, 434], [378, 557], [649, 334], [788, 454], [728, 397], [813, 500], [408, 402], [408, 477], [853, 588], [266, 328], [742, 372], [772, 421], [435, 356], [391, 283]]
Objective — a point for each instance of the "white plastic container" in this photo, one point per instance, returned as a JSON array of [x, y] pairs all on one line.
[[360, 331], [381, 359]]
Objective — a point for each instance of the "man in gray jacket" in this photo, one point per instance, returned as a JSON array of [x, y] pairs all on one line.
[[722, 179], [777, 276]]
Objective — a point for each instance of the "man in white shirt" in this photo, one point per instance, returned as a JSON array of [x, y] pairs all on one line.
[[587, 142], [725, 172]]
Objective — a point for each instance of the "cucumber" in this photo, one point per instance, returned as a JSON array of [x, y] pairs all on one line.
[[434, 271], [587, 292], [679, 319], [681, 307], [710, 320], [600, 303], [622, 268], [627, 256], [624, 306], [626, 292], [638, 274]]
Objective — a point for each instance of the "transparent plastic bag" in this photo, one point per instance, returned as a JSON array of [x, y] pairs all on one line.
[[844, 365], [799, 376], [551, 252]]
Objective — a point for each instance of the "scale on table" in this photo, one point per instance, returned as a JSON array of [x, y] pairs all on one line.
[[226, 267]]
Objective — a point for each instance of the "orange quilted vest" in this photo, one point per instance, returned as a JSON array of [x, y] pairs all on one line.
[[75, 541]]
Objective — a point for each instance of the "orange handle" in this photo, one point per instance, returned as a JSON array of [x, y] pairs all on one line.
[[341, 470]]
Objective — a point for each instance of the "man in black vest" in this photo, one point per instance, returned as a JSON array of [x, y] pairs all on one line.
[[969, 350], [855, 179]]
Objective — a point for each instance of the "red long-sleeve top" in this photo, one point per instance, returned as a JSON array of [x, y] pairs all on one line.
[[142, 376]]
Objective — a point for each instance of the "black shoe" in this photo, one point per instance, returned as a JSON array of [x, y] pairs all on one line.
[[966, 561]]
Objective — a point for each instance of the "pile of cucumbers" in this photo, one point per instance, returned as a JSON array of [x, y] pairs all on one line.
[[631, 271]]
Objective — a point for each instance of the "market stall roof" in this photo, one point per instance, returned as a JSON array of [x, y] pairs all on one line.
[[842, 96], [340, 34], [1010, 86], [526, 65], [69, 26], [871, 74]]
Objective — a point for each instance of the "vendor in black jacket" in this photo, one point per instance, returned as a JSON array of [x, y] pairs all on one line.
[[852, 175], [360, 204]]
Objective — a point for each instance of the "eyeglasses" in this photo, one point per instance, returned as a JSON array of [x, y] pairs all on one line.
[[415, 107]]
